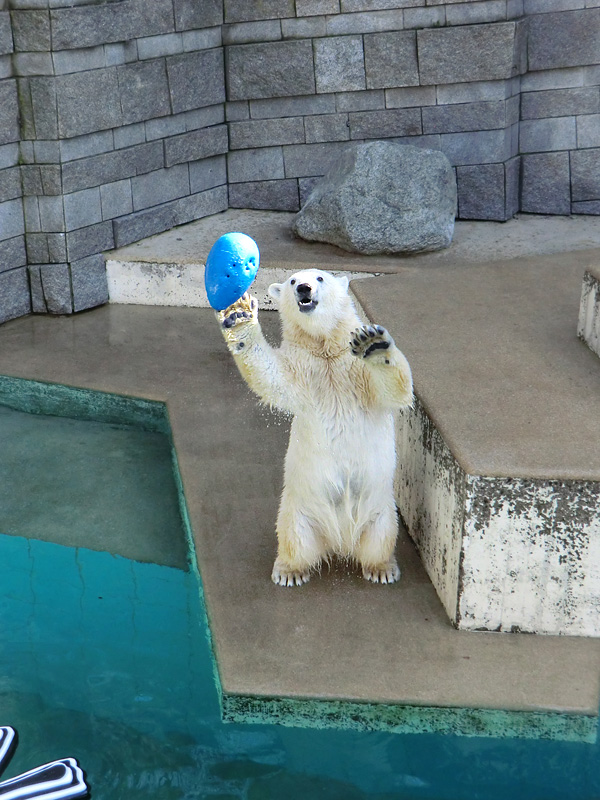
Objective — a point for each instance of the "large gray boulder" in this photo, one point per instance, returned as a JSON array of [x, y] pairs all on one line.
[[382, 197]]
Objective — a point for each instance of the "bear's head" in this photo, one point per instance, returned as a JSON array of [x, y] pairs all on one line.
[[313, 300]]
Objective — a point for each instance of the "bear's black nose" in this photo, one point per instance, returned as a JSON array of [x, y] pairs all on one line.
[[304, 290]]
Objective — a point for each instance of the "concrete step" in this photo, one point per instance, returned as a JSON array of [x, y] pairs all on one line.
[[589, 309]]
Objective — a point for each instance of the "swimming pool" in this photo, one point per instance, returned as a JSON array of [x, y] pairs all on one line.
[[105, 654]]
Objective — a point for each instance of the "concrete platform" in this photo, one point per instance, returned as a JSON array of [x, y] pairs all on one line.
[[337, 651]]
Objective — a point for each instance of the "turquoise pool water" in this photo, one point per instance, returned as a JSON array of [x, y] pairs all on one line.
[[106, 657]]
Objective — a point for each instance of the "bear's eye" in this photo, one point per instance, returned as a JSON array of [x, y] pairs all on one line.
[[319, 278], [293, 281]]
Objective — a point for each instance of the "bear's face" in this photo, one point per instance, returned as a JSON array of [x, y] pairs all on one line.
[[313, 299]]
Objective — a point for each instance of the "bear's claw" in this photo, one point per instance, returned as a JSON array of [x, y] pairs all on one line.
[[382, 573], [243, 310], [369, 339], [285, 576]]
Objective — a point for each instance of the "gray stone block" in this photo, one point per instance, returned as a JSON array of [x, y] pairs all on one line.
[[272, 195], [512, 172], [247, 10], [37, 248], [27, 64], [266, 132], [159, 187], [327, 128], [9, 112], [308, 160], [290, 71], [391, 59], [470, 53], [11, 219], [339, 64], [196, 80], [66, 61], [585, 174], [465, 117], [385, 124], [481, 192], [90, 25], [158, 46], [143, 90], [546, 183], [365, 22], [87, 102], [116, 199], [31, 179], [364, 5], [55, 285], [6, 39], [476, 12], [410, 97], [12, 253], [31, 30], [88, 279], [129, 135], [57, 247], [563, 39], [304, 28], [161, 218], [52, 217], [46, 152], [114, 166], [191, 14], [475, 92], [424, 17], [244, 166], [543, 135], [38, 304], [194, 145], [208, 173], [82, 209], [237, 111], [15, 300], [369, 100], [89, 241], [588, 131], [560, 103], [292, 106], [586, 207], [204, 39], [91, 144], [247, 32], [10, 184], [310, 8], [117, 53], [31, 213], [477, 147]]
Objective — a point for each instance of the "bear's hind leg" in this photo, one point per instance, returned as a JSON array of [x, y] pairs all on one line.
[[299, 551], [375, 549]]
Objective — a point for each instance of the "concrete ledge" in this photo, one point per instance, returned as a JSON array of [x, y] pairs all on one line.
[[499, 466], [588, 328]]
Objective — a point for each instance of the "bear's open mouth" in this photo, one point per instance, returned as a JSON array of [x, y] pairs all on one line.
[[306, 304]]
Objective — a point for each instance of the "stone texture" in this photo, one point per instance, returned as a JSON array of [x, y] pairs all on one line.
[[9, 112], [585, 174], [274, 195], [543, 135], [383, 198], [194, 145], [385, 124], [339, 64], [196, 80], [469, 53], [190, 14], [55, 284], [546, 183], [86, 102], [560, 102], [260, 164], [481, 192], [15, 300], [109, 167], [484, 116], [244, 11], [12, 253], [88, 279], [144, 91], [31, 30], [563, 39], [266, 133], [290, 72], [391, 59]]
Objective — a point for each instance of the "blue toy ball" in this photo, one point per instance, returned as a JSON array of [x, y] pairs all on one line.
[[231, 267]]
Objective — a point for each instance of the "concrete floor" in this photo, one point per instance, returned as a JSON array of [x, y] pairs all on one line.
[[338, 637]]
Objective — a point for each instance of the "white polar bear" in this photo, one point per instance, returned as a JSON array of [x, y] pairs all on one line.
[[341, 381]]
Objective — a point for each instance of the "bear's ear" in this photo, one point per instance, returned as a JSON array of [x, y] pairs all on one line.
[[344, 281], [275, 290]]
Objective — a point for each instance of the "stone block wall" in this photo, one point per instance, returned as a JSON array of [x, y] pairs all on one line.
[[122, 119], [122, 135]]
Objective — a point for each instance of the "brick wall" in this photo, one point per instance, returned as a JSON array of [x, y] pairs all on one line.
[[122, 119]]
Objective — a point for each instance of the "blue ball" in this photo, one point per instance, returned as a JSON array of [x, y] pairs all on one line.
[[231, 267]]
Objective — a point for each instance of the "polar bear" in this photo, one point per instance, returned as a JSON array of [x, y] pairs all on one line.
[[341, 381]]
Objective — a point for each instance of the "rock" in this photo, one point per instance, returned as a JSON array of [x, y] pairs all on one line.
[[383, 197]]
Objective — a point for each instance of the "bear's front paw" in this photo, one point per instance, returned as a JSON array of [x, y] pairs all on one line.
[[370, 339], [242, 311], [382, 573], [284, 575]]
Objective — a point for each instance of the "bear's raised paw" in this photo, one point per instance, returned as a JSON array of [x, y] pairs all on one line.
[[242, 311], [370, 339]]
